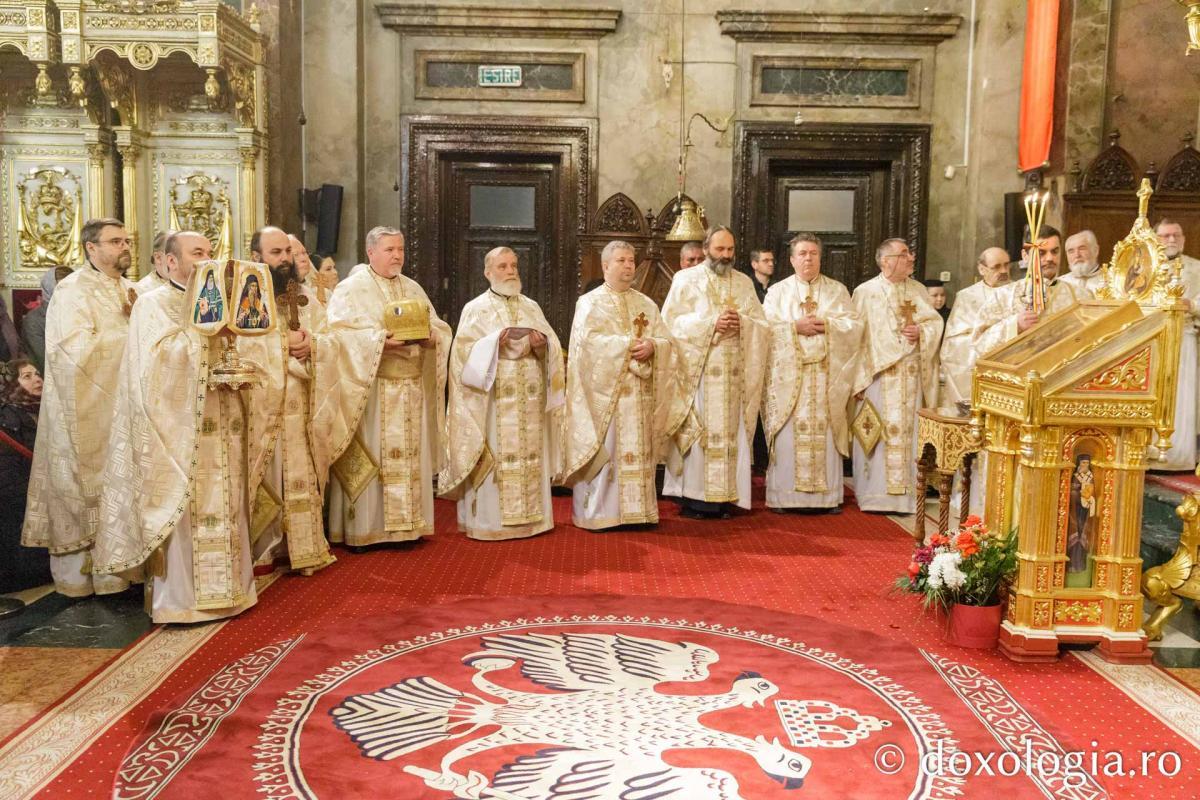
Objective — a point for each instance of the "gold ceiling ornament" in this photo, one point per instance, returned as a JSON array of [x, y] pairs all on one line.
[[49, 200], [1193, 24], [202, 211]]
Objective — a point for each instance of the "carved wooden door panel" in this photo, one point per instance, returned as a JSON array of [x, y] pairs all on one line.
[[852, 184], [842, 207], [492, 204]]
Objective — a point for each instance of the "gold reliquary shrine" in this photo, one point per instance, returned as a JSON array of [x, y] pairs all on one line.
[[1068, 412]]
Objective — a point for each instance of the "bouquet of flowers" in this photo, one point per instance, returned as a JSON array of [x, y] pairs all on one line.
[[971, 567]]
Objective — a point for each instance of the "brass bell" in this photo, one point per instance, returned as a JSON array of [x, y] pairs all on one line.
[[687, 227]]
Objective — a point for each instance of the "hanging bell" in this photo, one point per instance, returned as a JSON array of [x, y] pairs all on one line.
[[687, 227]]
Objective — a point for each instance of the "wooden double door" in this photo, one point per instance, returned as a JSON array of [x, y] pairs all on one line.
[[473, 184], [852, 185]]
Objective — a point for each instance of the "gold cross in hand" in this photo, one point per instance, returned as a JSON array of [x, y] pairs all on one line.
[[293, 300], [907, 309], [640, 323]]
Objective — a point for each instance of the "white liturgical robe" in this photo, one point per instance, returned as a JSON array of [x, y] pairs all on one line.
[[898, 378], [806, 392], [87, 327], [504, 421], [709, 455], [383, 487]]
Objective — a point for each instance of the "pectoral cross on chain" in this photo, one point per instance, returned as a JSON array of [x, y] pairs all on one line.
[[130, 298], [907, 309], [294, 300], [640, 323]]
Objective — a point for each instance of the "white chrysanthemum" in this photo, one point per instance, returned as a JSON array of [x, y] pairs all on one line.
[[944, 571]]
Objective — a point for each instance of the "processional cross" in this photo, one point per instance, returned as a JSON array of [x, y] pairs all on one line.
[[907, 309], [294, 300]]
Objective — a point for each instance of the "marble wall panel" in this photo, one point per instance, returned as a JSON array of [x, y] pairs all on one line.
[[331, 107], [1153, 89], [639, 113]]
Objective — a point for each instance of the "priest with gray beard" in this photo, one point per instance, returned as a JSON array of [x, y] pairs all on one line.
[[721, 333], [505, 416]]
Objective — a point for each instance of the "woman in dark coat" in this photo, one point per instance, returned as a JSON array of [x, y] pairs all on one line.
[[20, 397]]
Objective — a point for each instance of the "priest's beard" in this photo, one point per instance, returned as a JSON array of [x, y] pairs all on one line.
[[509, 288], [124, 262], [281, 274], [1082, 270], [720, 265]]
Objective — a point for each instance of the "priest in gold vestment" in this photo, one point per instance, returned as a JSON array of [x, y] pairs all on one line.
[[622, 399], [1183, 452], [86, 328], [301, 369], [505, 416], [898, 378], [713, 315], [974, 308], [816, 337], [176, 504], [382, 489], [1014, 313]]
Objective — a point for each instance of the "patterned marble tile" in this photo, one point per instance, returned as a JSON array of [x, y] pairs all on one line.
[[58, 621], [25, 690]]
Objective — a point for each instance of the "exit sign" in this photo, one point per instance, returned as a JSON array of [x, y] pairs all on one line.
[[500, 76]]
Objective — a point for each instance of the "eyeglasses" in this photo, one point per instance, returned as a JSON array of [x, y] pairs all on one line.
[[117, 242], [895, 256]]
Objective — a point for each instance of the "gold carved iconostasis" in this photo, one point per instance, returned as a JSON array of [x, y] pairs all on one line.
[[145, 110]]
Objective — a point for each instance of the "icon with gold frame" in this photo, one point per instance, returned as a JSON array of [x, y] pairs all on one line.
[[206, 301], [254, 312]]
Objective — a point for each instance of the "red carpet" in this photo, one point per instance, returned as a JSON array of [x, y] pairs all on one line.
[[1182, 482], [835, 569]]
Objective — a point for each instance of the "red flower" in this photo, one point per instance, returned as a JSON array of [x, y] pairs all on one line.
[[971, 521], [937, 540], [966, 544], [914, 569]]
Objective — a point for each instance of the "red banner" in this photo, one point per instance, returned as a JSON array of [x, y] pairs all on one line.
[[1037, 84]]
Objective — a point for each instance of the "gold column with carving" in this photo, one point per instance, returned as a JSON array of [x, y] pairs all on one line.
[[131, 191], [97, 187]]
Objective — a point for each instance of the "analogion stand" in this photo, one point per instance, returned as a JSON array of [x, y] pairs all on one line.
[[946, 444]]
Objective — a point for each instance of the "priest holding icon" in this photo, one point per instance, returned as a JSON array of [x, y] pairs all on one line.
[[392, 342], [505, 412]]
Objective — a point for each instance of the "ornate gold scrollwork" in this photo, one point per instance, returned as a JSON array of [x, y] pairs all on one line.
[[203, 212], [50, 211], [1167, 584]]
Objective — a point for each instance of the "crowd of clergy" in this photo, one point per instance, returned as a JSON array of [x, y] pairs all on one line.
[[146, 471]]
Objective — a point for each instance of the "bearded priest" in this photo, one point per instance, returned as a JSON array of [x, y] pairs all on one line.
[[713, 314], [303, 367], [815, 351], [175, 510], [622, 401], [383, 490], [898, 378], [505, 414], [87, 326]]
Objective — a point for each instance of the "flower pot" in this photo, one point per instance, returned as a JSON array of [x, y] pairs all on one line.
[[974, 626]]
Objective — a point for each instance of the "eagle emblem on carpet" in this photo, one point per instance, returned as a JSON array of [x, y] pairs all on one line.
[[596, 717]]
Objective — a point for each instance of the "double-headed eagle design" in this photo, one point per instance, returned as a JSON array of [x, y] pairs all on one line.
[[601, 732]]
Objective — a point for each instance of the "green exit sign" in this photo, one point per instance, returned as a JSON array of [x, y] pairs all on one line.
[[499, 76]]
